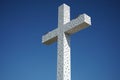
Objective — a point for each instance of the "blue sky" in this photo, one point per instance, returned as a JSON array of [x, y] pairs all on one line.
[[95, 50]]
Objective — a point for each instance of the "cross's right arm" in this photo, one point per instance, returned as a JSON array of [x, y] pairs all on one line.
[[77, 24]]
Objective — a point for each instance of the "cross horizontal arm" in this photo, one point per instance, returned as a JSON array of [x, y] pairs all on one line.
[[50, 37], [71, 27], [77, 24]]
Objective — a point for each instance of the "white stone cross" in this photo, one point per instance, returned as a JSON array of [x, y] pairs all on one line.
[[62, 36]]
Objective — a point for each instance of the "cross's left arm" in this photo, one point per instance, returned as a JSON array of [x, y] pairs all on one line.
[[50, 37]]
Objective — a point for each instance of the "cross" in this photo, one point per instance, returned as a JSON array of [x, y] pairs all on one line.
[[62, 35]]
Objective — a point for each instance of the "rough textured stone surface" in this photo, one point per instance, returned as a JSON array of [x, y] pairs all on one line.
[[62, 35], [63, 64]]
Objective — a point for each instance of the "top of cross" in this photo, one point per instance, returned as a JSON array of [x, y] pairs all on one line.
[[63, 14], [67, 26]]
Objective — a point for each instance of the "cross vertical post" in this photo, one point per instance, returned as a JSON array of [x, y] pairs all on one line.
[[63, 58]]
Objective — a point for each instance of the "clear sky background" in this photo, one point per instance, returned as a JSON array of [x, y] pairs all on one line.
[[95, 50]]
